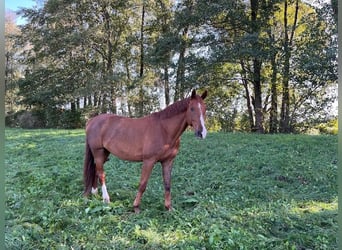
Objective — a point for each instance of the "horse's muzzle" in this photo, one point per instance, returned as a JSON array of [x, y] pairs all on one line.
[[198, 134]]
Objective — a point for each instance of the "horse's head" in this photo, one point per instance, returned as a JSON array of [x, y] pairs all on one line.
[[195, 114]]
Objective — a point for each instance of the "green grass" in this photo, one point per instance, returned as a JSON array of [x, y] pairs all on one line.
[[230, 191]]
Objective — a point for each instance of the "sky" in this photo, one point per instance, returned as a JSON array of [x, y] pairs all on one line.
[[15, 5]]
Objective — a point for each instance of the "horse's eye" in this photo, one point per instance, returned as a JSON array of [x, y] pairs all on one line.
[[192, 109]]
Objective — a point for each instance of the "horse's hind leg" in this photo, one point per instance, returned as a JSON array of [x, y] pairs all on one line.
[[100, 157]]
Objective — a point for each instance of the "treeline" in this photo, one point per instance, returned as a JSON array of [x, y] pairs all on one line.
[[269, 66]]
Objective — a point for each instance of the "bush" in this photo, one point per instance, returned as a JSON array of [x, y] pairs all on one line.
[[61, 118], [31, 119], [330, 127], [70, 119], [53, 117], [11, 119], [213, 125], [45, 118]]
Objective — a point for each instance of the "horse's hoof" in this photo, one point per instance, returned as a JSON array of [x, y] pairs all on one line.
[[169, 209], [136, 210], [106, 200]]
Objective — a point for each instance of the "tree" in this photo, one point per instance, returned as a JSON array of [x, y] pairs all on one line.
[[76, 42], [12, 65], [163, 52], [241, 29], [52, 55], [314, 70], [266, 43], [266, 61]]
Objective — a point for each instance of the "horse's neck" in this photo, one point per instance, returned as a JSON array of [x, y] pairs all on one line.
[[175, 125]]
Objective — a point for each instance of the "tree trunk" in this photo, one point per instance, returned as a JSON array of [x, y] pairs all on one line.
[[166, 85], [113, 102], [107, 70], [73, 106], [104, 107], [166, 60], [179, 90], [259, 116], [256, 74], [180, 75], [90, 101], [285, 102], [248, 96], [141, 72], [274, 95], [78, 103], [109, 42], [141, 101], [285, 126], [96, 99]]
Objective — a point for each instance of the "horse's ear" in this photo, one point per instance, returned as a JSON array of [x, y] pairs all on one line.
[[193, 94], [204, 95]]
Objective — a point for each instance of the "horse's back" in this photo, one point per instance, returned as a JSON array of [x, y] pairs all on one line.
[[122, 136], [97, 123]]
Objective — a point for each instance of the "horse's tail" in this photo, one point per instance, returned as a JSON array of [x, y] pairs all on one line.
[[89, 171]]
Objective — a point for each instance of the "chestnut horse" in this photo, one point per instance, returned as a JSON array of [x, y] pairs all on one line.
[[150, 139]]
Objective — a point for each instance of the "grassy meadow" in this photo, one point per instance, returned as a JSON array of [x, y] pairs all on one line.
[[229, 191]]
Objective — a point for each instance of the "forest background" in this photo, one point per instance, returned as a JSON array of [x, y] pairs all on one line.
[[269, 66]]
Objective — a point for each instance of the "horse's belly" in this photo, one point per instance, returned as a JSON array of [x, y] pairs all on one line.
[[128, 153]]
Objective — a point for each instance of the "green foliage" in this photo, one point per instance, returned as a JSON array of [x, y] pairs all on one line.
[[330, 127], [254, 57], [46, 118], [213, 125], [32, 119], [11, 119], [230, 191]]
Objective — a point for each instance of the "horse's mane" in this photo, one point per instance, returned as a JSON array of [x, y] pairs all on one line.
[[173, 109]]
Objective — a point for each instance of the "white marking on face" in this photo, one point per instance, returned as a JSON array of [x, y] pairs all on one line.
[[105, 195], [204, 130]]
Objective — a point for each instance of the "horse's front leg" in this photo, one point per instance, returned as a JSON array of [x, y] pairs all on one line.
[[167, 169], [145, 175]]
